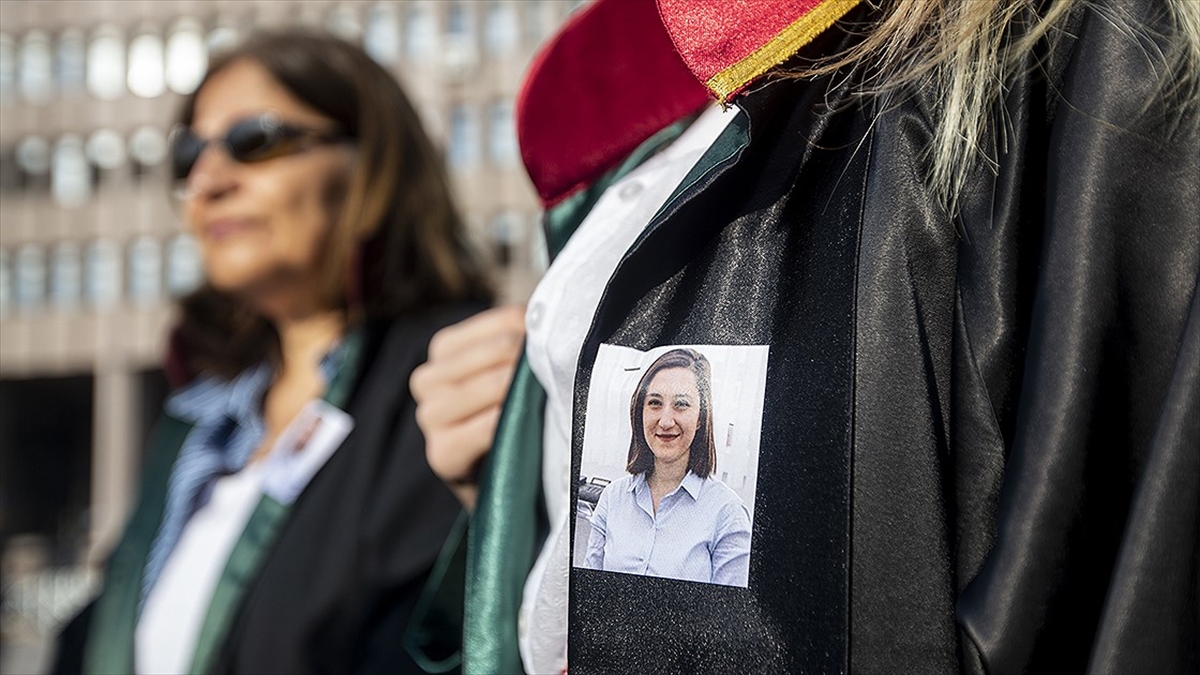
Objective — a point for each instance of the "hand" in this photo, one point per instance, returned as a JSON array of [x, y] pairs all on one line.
[[459, 392]]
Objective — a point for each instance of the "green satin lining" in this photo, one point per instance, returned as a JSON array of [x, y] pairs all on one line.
[[434, 640], [504, 538], [502, 544]]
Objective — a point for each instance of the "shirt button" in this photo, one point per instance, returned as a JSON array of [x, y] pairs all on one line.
[[533, 318], [630, 190]]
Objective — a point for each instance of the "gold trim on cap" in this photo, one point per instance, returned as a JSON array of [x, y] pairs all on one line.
[[797, 34]]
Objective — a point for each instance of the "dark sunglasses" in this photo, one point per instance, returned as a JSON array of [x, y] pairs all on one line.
[[254, 139]]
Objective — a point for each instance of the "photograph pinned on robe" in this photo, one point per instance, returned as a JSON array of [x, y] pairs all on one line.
[[669, 463]]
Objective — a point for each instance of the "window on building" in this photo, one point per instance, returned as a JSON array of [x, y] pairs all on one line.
[[146, 65], [420, 31], [36, 67], [102, 275], [106, 64], [72, 62], [460, 55], [105, 151], [502, 134], [502, 28], [184, 273], [187, 56], [66, 276], [147, 150], [381, 38], [145, 271], [462, 149], [537, 20], [70, 176], [33, 161], [221, 38], [30, 291]]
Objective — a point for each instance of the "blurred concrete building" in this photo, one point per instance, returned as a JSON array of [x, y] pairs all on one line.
[[92, 253]]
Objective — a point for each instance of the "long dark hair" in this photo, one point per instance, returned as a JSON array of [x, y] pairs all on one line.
[[399, 245], [702, 455]]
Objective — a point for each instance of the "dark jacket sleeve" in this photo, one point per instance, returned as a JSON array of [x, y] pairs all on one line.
[[1026, 473], [1095, 560]]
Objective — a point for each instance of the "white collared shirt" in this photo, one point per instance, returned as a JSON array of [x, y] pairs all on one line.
[[700, 532], [170, 623], [557, 320]]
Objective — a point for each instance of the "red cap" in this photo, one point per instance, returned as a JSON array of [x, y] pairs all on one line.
[[609, 80]]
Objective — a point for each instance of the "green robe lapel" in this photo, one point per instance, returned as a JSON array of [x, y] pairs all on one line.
[[504, 537], [262, 529], [110, 643]]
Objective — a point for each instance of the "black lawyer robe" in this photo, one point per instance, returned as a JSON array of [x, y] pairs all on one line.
[[982, 436]]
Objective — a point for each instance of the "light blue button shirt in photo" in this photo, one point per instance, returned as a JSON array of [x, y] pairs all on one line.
[[700, 533]]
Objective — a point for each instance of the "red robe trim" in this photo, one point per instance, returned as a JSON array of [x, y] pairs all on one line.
[[730, 43]]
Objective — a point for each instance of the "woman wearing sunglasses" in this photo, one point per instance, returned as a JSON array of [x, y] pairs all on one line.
[[287, 519]]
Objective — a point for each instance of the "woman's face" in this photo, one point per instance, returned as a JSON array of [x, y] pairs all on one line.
[[670, 414], [262, 226]]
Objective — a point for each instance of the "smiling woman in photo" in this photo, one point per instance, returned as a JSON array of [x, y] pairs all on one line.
[[670, 517]]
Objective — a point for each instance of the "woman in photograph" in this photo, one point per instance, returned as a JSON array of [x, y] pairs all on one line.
[[670, 517], [332, 253]]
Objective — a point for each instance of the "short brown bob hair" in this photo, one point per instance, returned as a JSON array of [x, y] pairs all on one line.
[[399, 245], [702, 456]]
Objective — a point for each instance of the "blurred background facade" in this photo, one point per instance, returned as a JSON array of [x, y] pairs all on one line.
[[92, 253]]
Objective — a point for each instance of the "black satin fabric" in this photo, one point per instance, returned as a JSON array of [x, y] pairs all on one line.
[[336, 591], [736, 271], [1000, 407]]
